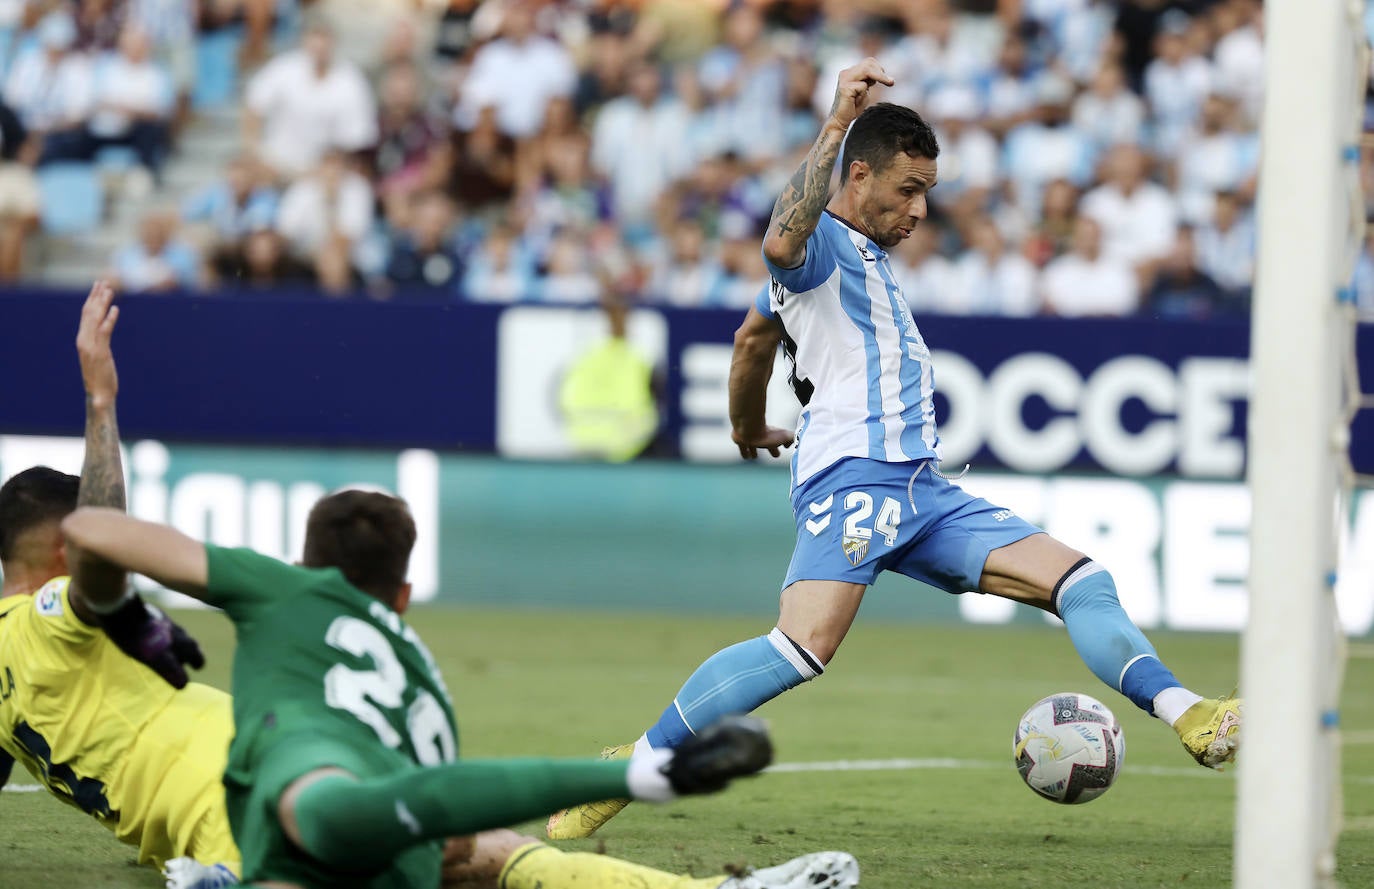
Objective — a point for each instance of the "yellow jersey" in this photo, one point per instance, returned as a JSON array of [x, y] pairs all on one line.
[[106, 734]]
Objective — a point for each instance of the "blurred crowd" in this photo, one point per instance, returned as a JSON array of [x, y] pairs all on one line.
[[1098, 158]]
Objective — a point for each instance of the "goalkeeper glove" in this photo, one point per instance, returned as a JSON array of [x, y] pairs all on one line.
[[147, 635]]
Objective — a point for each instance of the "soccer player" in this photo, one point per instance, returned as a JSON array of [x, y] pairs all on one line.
[[866, 488], [342, 767], [101, 731]]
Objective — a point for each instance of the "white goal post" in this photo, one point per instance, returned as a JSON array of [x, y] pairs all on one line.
[[1288, 801]]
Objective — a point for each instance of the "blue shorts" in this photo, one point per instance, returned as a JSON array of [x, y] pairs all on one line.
[[859, 517]]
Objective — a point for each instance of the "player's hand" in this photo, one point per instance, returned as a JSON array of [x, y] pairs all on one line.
[[851, 91], [731, 747], [771, 439], [98, 317], [147, 635]]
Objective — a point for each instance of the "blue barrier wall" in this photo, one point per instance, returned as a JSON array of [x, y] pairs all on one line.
[[1132, 396]]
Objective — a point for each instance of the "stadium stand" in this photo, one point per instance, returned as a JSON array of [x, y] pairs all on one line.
[[561, 150]]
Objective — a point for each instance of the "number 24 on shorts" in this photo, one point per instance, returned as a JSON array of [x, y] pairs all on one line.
[[859, 506]]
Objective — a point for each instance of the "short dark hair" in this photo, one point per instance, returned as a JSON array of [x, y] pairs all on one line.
[[882, 131], [31, 499], [367, 535]]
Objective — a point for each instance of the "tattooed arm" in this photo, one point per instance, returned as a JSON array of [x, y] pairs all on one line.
[[95, 581], [799, 207]]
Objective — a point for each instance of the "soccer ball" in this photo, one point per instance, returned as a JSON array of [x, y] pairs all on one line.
[[1069, 748]]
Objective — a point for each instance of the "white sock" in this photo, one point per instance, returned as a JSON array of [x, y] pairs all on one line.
[[646, 779], [642, 746], [1171, 703]]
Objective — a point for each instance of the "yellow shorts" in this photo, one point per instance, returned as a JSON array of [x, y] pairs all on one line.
[[170, 795]]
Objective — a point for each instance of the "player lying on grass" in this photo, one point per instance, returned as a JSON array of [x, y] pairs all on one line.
[[867, 494], [342, 768], [101, 731]]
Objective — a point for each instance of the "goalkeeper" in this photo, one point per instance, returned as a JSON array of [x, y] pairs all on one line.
[[100, 731]]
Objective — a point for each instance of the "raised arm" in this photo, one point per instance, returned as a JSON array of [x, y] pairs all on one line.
[[799, 207], [751, 366], [156, 551], [95, 582]]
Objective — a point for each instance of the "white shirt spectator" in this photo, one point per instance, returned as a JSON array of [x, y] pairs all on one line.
[[1074, 286], [1036, 154], [1227, 255], [518, 78], [310, 213], [121, 84], [1209, 164], [1240, 68], [1110, 120], [1135, 227], [981, 285], [49, 93], [1175, 93], [304, 114], [641, 151], [1082, 33]]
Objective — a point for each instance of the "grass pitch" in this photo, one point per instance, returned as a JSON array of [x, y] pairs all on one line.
[[945, 699]]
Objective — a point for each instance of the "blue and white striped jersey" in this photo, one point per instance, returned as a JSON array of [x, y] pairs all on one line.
[[859, 365]]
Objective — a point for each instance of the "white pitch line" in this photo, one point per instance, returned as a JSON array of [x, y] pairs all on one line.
[[23, 788]]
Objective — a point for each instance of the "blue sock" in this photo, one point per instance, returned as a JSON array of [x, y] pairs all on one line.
[[1112, 647], [734, 680]]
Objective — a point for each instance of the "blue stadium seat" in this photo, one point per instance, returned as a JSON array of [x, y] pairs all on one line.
[[217, 68], [72, 198]]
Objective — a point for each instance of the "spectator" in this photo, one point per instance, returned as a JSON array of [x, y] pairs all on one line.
[[242, 202], [158, 260], [742, 272], [1109, 113], [481, 165], [424, 259], [968, 152], [1215, 158], [171, 27], [568, 276], [20, 201], [1180, 289], [686, 273], [1088, 282], [323, 215], [134, 102], [1176, 83], [1053, 231], [51, 89], [561, 134], [1239, 57], [1138, 217], [567, 198], [1226, 245], [925, 276], [1080, 33], [518, 73], [259, 262], [1048, 148], [305, 102], [746, 82], [1011, 96], [989, 280], [639, 144], [498, 271], [409, 155]]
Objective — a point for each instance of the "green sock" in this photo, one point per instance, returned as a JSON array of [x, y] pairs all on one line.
[[364, 824]]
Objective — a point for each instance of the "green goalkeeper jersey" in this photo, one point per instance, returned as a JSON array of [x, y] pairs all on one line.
[[324, 675]]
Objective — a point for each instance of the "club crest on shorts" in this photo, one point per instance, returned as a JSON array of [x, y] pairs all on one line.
[[855, 548]]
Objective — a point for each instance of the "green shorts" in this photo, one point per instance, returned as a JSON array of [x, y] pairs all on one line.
[[252, 797]]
